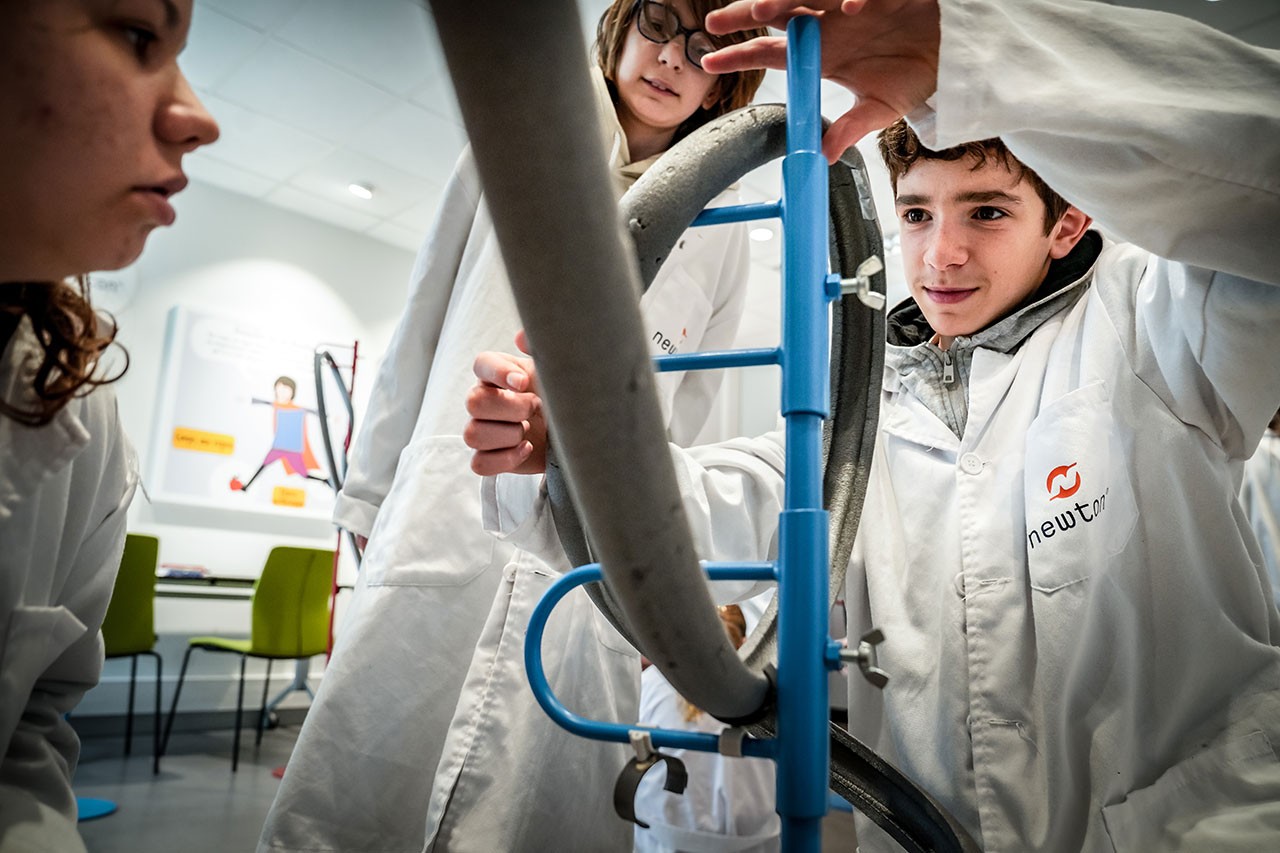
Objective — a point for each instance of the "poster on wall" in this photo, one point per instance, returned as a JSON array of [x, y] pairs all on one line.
[[237, 422]]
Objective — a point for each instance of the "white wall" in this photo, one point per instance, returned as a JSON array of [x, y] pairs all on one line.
[[232, 254]]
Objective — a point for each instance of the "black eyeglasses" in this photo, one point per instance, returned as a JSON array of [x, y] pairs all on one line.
[[659, 23]]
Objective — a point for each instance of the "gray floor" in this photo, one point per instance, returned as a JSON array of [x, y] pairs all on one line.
[[197, 805]]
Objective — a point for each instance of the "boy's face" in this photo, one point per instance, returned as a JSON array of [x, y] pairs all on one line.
[[284, 394], [973, 242]]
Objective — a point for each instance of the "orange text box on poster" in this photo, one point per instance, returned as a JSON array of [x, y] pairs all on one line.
[[185, 438]]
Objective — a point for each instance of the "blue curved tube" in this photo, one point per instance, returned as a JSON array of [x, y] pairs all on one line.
[[594, 729]]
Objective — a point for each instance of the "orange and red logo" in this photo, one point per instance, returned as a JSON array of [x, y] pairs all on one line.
[[1061, 473]]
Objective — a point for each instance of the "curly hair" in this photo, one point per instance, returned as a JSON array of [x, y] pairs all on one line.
[[73, 337], [736, 89], [901, 149]]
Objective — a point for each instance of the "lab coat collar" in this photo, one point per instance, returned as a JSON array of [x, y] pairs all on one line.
[[31, 454]]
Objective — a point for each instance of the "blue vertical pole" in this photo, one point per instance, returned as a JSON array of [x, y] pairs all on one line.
[[802, 679]]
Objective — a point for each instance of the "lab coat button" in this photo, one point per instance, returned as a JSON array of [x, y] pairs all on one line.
[[970, 463]]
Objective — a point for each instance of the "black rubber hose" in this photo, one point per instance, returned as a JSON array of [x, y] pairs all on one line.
[[557, 225], [324, 357], [337, 474]]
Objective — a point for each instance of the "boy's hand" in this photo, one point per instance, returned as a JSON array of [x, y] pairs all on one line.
[[507, 429], [883, 51]]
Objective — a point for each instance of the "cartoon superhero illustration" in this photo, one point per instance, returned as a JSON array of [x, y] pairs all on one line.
[[289, 445]]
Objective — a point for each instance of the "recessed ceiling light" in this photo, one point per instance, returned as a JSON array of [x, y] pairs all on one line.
[[363, 191], [760, 235]]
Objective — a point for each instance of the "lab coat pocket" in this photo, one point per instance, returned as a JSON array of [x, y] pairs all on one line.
[[33, 640], [1225, 798], [429, 530], [1079, 504]]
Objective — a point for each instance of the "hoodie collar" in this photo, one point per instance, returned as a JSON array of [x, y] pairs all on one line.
[[1064, 283]]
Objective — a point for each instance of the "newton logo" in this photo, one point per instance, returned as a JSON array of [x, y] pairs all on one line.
[[1067, 488]]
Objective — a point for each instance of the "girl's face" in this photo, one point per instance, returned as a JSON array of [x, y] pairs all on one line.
[[97, 118], [658, 87]]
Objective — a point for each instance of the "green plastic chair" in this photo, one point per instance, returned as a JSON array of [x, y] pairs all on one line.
[[129, 629], [290, 621]]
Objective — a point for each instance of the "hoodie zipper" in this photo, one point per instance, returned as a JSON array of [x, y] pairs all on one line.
[[948, 368]]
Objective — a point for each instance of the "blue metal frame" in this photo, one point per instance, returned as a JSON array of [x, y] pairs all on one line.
[[801, 748], [618, 732]]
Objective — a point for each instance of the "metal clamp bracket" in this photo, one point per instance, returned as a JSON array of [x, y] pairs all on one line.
[[624, 790]]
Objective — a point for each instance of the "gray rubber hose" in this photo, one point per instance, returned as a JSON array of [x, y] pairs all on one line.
[[657, 210], [526, 99]]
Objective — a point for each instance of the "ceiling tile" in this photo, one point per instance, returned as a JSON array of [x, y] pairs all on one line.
[[319, 208], [413, 139], [397, 235], [437, 96], [311, 95], [217, 45], [385, 42], [422, 216], [228, 177], [259, 144], [1265, 33], [394, 190], [260, 14]]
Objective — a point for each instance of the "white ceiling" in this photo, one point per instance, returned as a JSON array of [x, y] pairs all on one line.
[[313, 95]]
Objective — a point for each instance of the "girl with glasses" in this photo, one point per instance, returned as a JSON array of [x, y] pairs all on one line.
[[97, 119], [425, 735]]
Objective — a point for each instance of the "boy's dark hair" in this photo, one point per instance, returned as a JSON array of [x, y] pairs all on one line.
[[901, 149], [736, 89]]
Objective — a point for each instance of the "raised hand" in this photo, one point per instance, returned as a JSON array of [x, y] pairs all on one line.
[[507, 429], [883, 51]]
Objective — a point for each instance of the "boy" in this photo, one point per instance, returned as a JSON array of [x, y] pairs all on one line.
[[1081, 652]]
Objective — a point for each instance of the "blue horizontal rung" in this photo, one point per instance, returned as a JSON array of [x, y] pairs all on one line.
[[739, 213], [698, 741], [715, 359]]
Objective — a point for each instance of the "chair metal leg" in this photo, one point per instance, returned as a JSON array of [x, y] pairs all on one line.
[[177, 691], [155, 726], [128, 720], [235, 748], [262, 714]]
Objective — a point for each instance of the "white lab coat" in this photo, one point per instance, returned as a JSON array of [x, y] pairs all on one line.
[[728, 804], [64, 492], [417, 678], [1096, 671], [1260, 498]]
